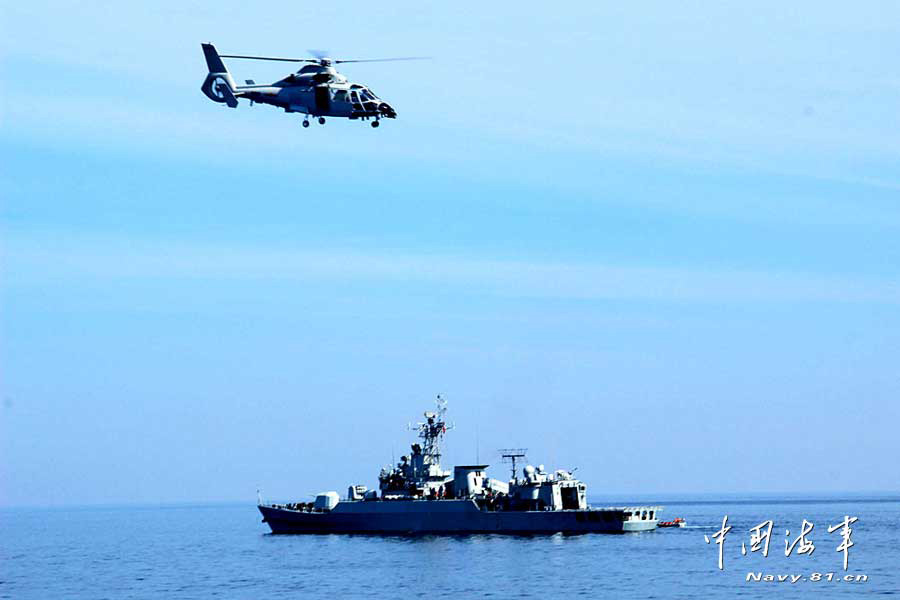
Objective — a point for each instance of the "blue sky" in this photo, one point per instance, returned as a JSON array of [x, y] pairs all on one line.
[[657, 243]]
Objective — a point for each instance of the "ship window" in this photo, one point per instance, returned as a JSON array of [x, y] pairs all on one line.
[[644, 515], [651, 515]]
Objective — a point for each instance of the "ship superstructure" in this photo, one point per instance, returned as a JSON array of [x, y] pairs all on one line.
[[420, 473], [417, 495]]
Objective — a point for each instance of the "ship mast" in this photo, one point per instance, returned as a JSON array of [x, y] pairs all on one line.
[[511, 455], [432, 432], [420, 473]]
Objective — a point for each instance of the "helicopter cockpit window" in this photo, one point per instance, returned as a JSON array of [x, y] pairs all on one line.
[[341, 96], [367, 95]]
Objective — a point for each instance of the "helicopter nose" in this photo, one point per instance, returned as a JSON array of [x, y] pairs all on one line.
[[387, 110]]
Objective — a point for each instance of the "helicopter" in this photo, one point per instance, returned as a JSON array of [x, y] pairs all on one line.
[[317, 90]]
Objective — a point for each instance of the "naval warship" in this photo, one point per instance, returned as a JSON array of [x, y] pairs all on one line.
[[418, 496]]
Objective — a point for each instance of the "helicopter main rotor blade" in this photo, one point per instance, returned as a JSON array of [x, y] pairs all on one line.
[[383, 59], [269, 58]]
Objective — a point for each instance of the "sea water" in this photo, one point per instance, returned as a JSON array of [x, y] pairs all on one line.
[[224, 551]]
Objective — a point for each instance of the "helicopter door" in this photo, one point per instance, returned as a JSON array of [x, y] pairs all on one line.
[[354, 99], [323, 99]]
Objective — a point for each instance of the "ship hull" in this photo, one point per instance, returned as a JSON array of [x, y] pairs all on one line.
[[452, 517]]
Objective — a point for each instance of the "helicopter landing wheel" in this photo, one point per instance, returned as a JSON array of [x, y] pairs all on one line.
[[375, 123], [306, 123], [321, 120]]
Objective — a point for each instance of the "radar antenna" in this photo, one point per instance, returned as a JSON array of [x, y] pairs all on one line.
[[511, 455], [432, 431]]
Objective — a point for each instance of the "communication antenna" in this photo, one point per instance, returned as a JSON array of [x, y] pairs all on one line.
[[511, 455], [477, 448], [432, 431]]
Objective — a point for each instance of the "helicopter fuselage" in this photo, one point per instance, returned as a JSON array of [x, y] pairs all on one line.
[[316, 90], [319, 91]]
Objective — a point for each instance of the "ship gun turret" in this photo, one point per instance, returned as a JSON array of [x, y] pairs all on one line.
[[539, 490]]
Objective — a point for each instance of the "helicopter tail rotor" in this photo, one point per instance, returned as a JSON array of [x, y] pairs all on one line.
[[218, 85]]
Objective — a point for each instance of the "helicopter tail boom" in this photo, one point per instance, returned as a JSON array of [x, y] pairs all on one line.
[[218, 85]]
